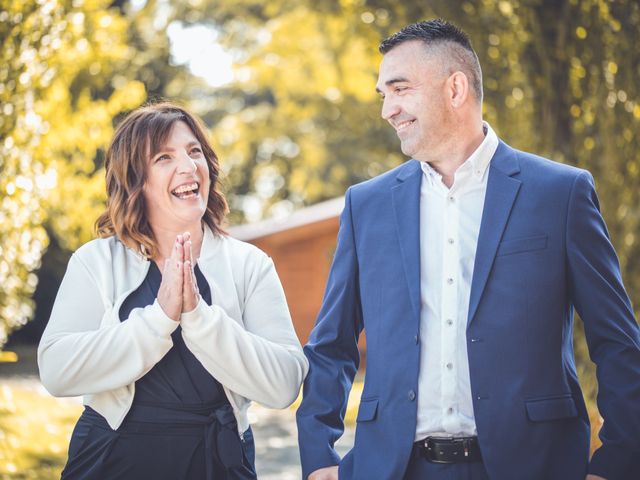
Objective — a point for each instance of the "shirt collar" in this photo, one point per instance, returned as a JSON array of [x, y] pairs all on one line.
[[478, 161]]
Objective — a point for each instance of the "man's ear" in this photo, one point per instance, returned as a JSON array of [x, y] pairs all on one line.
[[458, 88]]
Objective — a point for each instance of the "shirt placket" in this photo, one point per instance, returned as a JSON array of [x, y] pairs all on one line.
[[449, 314]]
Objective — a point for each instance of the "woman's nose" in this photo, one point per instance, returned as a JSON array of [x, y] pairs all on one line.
[[186, 164]]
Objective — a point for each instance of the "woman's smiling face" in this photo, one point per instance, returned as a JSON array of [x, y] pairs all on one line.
[[177, 183]]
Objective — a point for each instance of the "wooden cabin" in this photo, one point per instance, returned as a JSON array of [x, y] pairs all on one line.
[[302, 247]]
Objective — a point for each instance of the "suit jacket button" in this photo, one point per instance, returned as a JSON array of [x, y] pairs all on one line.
[[416, 339], [411, 395]]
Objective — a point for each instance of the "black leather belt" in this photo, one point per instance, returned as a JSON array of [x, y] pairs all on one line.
[[449, 450]]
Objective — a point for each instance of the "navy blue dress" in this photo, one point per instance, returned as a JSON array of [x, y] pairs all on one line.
[[180, 426]]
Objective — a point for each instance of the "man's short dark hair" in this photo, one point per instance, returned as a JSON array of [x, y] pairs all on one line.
[[442, 33]]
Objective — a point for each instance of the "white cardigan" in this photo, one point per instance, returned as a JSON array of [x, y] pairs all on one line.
[[245, 339]]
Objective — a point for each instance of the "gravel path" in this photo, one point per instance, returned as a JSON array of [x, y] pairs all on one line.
[[277, 456]]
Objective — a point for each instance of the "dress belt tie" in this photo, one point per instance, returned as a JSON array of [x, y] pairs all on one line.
[[218, 421], [221, 428]]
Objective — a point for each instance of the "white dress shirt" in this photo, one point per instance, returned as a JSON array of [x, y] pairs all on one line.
[[449, 227]]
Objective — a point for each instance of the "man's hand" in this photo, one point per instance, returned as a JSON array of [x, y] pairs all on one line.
[[594, 477], [326, 473], [190, 293], [170, 296]]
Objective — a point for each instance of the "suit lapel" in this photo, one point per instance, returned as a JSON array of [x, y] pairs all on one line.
[[502, 191], [406, 206]]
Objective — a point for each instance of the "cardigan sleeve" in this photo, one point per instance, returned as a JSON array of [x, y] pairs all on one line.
[[262, 361], [80, 355]]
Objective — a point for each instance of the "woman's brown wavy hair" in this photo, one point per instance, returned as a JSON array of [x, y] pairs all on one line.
[[139, 137]]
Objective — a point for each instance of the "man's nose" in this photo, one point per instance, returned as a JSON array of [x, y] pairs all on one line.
[[390, 108]]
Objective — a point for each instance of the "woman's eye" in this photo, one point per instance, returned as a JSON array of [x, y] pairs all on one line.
[[163, 157], [196, 151]]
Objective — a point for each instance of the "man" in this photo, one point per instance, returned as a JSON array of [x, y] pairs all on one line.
[[464, 266]]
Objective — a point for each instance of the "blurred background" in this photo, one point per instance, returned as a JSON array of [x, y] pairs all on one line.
[[287, 90]]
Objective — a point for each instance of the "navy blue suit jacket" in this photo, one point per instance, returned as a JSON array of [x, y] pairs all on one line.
[[543, 250]]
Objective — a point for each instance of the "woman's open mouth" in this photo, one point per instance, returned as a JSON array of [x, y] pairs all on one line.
[[186, 191]]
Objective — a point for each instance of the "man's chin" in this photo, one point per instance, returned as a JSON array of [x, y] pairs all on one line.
[[408, 150]]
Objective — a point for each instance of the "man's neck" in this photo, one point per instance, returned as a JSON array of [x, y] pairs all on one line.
[[455, 152]]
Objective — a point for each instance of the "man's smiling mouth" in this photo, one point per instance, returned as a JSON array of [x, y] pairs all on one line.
[[403, 125]]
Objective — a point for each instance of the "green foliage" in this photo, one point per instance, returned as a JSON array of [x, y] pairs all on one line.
[[67, 70], [51, 128], [302, 120]]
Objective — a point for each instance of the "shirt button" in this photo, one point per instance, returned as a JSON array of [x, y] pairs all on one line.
[[449, 365], [449, 410], [450, 240], [449, 321], [450, 280], [452, 199], [411, 395]]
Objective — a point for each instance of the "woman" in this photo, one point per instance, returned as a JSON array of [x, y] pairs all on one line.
[[166, 326]]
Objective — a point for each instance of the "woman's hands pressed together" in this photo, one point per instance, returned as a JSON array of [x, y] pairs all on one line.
[[178, 291], [190, 293]]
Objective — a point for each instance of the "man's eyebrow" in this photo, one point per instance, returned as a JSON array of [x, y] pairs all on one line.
[[392, 81]]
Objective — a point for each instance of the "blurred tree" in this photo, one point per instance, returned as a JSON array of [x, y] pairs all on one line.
[[124, 60], [53, 56], [301, 121], [137, 70]]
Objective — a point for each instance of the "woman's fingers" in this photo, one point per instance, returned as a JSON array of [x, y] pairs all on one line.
[[177, 253], [179, 289], [188, 256], [191, 295], [187, 240], [190, 285], [170, 295]]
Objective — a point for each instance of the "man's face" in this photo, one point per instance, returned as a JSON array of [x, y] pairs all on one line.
[[412, 84]]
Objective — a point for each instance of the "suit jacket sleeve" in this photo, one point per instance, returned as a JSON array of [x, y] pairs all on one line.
[[611, 330], [333, 355]]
